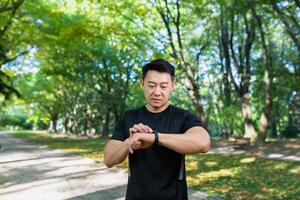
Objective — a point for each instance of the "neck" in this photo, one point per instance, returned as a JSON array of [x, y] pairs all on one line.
[[156, 110]]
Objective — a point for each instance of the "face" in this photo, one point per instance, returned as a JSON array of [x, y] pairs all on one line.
[[157, 88]]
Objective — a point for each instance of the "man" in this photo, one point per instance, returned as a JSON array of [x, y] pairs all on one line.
[[156, 137]]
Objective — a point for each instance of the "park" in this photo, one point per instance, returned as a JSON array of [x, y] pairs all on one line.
[[69, 69]]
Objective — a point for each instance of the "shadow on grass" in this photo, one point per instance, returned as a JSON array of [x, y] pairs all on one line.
[[242, 177]]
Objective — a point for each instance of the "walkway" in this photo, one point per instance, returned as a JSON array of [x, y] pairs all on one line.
[[280, 154], [34, 172]]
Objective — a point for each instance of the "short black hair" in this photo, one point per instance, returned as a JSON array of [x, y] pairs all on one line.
[[159, 65]]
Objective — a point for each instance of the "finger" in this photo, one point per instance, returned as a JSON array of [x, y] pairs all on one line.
[[133, 131], [138, 128], [149, 129], [145, 128], [130, 149]]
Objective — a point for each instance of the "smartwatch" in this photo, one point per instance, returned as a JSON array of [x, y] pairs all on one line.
[[156, 139]]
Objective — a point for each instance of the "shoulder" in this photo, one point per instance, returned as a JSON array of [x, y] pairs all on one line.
[[178, 110], [132, 112], [185, 115], [135, 110], [185, 118]]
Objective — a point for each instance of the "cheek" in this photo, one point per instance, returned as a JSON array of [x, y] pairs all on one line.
[[165, 93], [148, 92]]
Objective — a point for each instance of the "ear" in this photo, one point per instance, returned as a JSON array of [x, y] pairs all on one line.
[[142, 83]]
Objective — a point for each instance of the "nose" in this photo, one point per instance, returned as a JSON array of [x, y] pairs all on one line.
[[157, 91]]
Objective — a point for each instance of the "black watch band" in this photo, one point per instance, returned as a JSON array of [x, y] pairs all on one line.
[[155, 137]]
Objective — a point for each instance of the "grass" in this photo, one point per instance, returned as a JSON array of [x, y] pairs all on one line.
[[229, 176], [92, 147], [243, 177]]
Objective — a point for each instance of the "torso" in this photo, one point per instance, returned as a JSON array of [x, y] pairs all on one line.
[[154, 172]]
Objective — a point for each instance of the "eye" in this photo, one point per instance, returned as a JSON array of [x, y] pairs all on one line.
[[164, 86]]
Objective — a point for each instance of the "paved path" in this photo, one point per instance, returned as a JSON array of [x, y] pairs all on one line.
[[34, 172], [282, 155]]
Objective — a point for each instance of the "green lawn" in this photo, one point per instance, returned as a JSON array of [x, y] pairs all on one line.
[[230, 176]]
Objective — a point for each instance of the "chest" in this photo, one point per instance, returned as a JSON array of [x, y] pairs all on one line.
[[161, 123]]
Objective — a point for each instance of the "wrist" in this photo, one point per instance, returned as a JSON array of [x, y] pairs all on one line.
[[127, 142]]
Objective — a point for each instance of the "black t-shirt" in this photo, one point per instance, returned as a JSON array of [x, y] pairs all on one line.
[[156, 173]]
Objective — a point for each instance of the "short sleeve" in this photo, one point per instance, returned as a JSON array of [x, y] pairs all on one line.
[[119, 132], [189, 121]]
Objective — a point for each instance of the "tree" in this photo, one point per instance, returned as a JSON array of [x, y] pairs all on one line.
[[289, 16], [180, 48], [237, 38], [44, 95], [8, 12], [267, 80]]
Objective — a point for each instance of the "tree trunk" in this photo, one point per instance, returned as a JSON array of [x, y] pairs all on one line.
[[225, 68], [240, 55], [224, 47], [85, 126], [53, 124], [197, 104], [266, 115], [248, 123], [66, 128]]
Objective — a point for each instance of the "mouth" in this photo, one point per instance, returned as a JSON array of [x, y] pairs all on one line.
[[156, 100]]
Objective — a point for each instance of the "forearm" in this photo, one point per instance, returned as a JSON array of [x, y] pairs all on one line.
[[115, 153], [188, 143]]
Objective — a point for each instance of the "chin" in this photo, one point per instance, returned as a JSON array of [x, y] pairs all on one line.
[[157, 105]]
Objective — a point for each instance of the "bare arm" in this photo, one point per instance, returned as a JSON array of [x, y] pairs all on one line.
[[194, 140], [115, 152]]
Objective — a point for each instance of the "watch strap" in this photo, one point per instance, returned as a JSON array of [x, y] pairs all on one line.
[[156, 139]]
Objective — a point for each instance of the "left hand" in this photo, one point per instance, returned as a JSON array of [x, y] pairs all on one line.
[[146, 139]]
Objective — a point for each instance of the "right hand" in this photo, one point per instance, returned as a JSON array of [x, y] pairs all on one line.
[[140, 128]]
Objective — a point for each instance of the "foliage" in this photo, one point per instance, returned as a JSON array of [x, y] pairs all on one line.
[[15, 122], [15, 117], [77, 64], [11, 43]]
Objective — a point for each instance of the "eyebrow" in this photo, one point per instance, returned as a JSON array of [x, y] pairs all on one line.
[[151, 82]]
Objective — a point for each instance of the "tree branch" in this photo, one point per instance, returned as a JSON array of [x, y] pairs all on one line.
[[167, 25], [289, 29]]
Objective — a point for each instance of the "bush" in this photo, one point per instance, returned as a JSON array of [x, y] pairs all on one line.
[[14, 121], [40, 125], [290, 131]]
